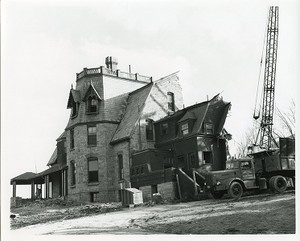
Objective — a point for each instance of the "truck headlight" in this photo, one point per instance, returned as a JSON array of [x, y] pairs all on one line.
[[218, 183]]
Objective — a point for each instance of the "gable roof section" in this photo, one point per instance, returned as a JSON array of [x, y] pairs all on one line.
[[90, 90], [53, 158], [74, 96], [188, 116], [135, 104]]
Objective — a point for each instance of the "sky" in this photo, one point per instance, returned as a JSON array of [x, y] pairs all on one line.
[[216, 46]]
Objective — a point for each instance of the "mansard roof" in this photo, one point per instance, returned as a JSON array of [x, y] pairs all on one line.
[[135, 105]]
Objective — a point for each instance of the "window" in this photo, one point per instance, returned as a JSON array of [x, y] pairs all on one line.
[[207, 157], [185, 129], [164, 128], [72, 139], [74, 110], [246, 165], [171, 103], [93, 196], [209, 128], [92, 135], [149, 129], [73, 172], [93, 169], [121, 169], [92, 104]]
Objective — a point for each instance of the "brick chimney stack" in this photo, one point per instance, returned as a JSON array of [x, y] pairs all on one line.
[[111, 63]]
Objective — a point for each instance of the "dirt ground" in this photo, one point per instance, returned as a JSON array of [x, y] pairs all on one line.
[[258, 214]]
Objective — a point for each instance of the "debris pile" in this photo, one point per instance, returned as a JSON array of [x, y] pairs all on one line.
[[42, 211]]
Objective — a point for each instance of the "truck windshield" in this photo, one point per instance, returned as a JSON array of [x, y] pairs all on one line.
[[232, 165]]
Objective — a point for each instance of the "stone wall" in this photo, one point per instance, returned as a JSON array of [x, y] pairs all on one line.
[[106, 164], [147, 195], [168, 190]]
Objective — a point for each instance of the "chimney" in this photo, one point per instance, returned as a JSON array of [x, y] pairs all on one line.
[[111, 63]]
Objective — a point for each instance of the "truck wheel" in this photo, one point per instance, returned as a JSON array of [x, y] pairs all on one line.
[[235, 190], [278, 184], [217, 195]]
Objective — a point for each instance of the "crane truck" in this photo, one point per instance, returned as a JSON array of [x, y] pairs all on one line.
[[269, 164]]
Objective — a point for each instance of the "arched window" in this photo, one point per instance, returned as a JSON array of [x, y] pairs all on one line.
[[92, 105]]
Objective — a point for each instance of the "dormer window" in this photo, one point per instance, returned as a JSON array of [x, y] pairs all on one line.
[[92, 105], [74, 110]]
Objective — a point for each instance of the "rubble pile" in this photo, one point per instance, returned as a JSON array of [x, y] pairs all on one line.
[[42, 211]]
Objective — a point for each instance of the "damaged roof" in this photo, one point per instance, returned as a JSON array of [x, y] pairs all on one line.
[[213, 111]]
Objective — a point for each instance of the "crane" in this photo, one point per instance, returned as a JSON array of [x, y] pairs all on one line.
[[265, 137]]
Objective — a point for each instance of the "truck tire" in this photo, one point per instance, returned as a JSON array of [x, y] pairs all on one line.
[[235, 190], [217, 195], [278, 184]]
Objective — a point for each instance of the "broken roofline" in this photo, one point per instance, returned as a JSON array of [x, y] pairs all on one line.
[[191, 107]]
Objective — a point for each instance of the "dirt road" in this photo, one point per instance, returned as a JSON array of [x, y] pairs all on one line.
[[260, 214]]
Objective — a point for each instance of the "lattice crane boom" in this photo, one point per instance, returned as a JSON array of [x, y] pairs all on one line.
[[266, 124]]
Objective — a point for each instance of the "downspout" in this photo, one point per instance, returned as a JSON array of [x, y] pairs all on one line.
[[140, 136]]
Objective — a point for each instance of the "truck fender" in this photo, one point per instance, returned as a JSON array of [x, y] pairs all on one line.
[[237, 180]]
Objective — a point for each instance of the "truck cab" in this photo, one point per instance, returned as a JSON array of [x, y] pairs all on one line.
[[239, 175]]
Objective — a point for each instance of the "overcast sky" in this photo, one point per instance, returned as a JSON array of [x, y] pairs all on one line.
[[216, 46]]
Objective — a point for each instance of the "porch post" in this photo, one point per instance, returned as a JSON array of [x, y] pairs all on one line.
[[14, 188], [195, 183], [47, 186], [64, 183], [32, 189]]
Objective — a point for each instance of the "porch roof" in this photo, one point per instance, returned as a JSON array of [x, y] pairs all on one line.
[[38, 178], [27, 178]]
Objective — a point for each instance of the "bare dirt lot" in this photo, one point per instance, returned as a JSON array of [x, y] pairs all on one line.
[[258, 214]]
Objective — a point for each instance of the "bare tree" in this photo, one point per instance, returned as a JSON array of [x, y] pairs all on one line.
[[247, 140], [286, 122]]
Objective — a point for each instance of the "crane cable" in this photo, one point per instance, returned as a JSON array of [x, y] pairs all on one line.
[[256, 116]]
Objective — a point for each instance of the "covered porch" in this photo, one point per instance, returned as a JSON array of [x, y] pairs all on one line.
[[52, 181]]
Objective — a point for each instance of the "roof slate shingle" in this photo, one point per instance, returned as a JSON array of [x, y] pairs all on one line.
[[135, 105]]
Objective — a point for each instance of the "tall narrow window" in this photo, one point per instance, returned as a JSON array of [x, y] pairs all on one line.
[[72, 139], [74, 110], [92, 135], [92, 105], [149, 129], [73, 172], [121, 168], [171, 102], [93, 169]]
